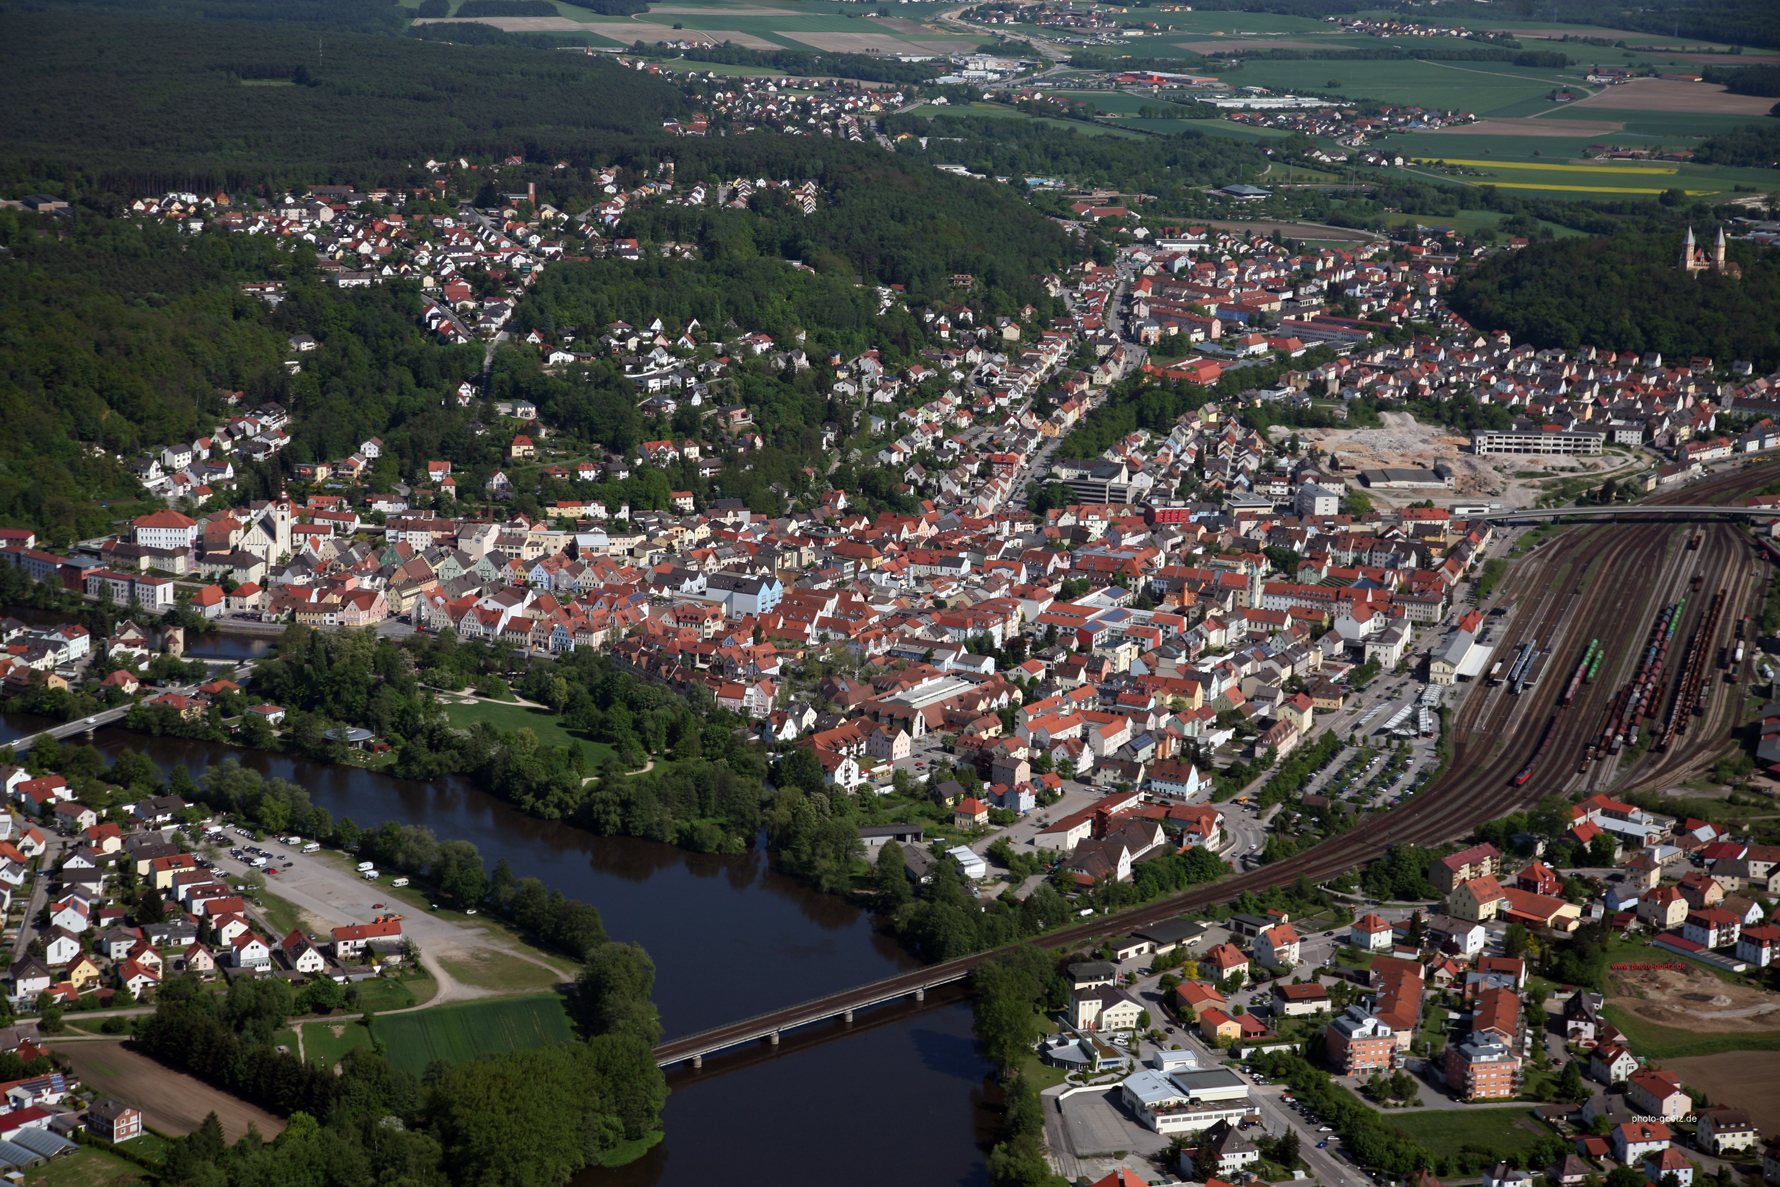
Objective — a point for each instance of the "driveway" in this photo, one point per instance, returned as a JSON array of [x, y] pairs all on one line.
[[331, 896]]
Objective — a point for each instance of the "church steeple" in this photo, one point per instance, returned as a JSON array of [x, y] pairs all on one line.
[[1687, 250], [1718, 252]]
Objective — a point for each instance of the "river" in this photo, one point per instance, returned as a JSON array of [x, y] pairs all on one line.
[[898, 1100]]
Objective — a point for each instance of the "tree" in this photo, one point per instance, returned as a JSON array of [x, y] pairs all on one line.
[[1514, 940], [1570, 1086], [457, 872], [615, 986], [1205, 1162], [890, 877], [1286, 1149]]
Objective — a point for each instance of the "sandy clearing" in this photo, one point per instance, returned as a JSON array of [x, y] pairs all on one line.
[[1530, 126], [1689, 999], [1657, 94], [323, 890], [1404, 442], [1743, 1078], [171, 1101]]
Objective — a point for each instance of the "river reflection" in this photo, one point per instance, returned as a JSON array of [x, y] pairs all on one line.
[[897, 1099]]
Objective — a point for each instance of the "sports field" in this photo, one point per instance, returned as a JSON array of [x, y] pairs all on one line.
[[461, 1032]]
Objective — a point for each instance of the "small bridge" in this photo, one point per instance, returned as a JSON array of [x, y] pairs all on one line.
[[694, 1047], [85, 725]]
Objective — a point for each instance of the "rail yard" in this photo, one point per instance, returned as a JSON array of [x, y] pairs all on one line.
[[1618, 597]]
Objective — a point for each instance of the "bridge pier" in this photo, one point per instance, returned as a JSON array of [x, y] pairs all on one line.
[[773, 1038], [698, 1061], [920, 995], [846, 1015]]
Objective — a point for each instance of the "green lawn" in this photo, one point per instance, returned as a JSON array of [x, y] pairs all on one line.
[[542, 722], [1650, 1041], [88, 1167], [387, 993], [1501, 1128], [460, 1032], [487, 969], [328, 1042], [282, 916]]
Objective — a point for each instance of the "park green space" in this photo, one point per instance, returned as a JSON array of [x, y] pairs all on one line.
[[467, 1030], [455, 1032], [1503, 1129], [542, 722]]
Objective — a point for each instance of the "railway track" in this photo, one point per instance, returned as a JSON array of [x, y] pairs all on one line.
[[1591, 582]]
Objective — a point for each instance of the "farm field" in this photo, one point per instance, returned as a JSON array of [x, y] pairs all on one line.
[[460, 1032], [1483, 88], [171, 1101], [761, 27], [1735, 1077], [1001, 111], [1559, 166]]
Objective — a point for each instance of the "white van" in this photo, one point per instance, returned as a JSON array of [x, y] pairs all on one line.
[[366, 865], [370, 875], [312, 847], [398, 881]]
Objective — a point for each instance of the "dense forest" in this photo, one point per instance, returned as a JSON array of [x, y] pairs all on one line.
[[123, 336], [1735, 22], [1756, 145], [112, 337], [1624, 293], [112, 100], [891, 220], [804, 63], [1763, 81]]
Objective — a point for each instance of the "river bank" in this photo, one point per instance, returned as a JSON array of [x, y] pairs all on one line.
[[730, 936]]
